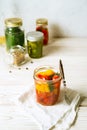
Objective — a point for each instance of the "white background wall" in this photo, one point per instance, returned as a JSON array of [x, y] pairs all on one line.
[[67, 18]]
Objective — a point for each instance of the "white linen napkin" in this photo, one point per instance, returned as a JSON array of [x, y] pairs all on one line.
[[59, 116]]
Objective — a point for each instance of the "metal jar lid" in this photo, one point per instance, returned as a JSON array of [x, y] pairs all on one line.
[[34, 36], [13, 22], [42, 21]]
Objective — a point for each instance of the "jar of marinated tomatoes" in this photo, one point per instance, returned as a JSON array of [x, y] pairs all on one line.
[[35, 44], [47, 85], [14, 33], [42, 26]]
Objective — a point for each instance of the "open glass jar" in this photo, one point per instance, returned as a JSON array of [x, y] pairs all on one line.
[[14, 33], [47, 85], [17, 56]]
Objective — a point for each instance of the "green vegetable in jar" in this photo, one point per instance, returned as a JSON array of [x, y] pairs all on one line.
[[14, 36], [35, 44], [13, 33], [35, 49]]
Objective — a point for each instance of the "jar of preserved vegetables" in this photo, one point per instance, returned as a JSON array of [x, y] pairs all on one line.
[[14, 33], [42, 26], [47, 82], [35, 44]]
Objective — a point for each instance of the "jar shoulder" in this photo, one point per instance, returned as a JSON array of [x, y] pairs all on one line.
[[13, 29]]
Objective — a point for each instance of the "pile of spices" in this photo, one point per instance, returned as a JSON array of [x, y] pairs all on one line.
[[41, 25], [35, 44], [14, 34]]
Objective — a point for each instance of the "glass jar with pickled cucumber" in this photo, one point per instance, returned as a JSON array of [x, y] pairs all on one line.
[[14, 33], [42, 26], [35, 44]]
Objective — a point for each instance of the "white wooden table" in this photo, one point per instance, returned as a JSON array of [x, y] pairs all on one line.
[[15, 81]]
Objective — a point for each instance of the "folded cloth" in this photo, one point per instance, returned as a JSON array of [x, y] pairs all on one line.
[[59, 116]]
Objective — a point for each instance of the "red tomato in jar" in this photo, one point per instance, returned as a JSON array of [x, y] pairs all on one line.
[[45, 32], [44, 77], [55, 77], [57, 83], [39, 28]]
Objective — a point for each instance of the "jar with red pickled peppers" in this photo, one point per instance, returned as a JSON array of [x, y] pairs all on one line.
[[42, 26], [47, 85]]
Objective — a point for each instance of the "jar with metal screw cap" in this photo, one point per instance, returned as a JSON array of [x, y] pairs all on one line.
[[14, 32], [42, 26]]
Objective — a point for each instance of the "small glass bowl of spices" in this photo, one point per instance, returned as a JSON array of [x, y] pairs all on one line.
[[35, 44], [17, 55]]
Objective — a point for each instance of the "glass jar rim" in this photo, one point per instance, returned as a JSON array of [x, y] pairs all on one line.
[[17, 47], [46, 67]]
